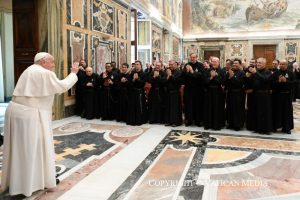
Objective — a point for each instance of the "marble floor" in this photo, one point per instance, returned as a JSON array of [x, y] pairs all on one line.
[[98, 160]]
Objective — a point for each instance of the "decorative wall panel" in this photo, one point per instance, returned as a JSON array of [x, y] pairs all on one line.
[[156, 42], [77, 13], [77, 46], [102, 52], [190, 48], [236, 50], [176, 42], [122, 25], [103, 17], [291, 51], [122, 53]]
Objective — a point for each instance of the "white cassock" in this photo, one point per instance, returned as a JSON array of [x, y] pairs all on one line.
[[28, 154]]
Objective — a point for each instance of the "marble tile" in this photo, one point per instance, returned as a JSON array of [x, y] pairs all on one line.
[[112, 176], [137, 153], [164, 177], [213, 156], [276, 177], [259, 143]]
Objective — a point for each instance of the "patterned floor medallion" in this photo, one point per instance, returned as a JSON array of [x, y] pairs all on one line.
[[73, 149], [127, 131]]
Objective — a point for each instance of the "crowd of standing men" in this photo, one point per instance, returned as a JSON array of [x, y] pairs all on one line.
[[211, 96]]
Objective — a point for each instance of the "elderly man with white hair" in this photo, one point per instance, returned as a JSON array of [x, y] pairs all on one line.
[[28, 154]]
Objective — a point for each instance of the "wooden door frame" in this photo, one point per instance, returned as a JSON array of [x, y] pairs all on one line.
[[213, 48], [279, 45]]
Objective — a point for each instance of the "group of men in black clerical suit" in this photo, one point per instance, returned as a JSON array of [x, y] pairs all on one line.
[[208, 95]]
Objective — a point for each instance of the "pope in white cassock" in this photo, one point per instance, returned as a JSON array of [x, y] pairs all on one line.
[[28, 154]]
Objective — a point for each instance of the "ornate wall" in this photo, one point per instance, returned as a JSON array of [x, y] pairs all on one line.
[[243, 49], [157, 45], [97, 31]]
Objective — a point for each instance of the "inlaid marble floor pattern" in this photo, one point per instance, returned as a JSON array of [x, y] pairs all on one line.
[[109, 160]]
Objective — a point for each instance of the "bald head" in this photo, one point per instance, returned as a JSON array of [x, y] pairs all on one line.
[[283, 65], [89, 71]]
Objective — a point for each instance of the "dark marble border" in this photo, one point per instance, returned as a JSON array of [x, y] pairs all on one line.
[[190, 190], [253, 136], [291, 153], [126, 186], [192, 174]]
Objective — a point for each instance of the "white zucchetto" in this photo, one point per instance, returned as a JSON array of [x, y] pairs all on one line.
[[40, 56]]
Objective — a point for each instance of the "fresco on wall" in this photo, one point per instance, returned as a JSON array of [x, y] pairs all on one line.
[[102, 52], [244, 15], [122, 24], [76, 13], [122, 53], [103, 17]]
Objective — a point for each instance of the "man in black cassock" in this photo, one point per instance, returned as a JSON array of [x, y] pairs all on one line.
[[296, 91], [283, 82], [249, 104], [90, 86], [235, 101], [261, 83], [156, 96], [121, 88], [275, 66], [136, 113], [173, 110], [214, 100], [79, 97], [107, 79], [193, 91]]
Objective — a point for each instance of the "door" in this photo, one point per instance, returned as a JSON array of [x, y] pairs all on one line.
[[209, 53], [25, 28], [265, 51]]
